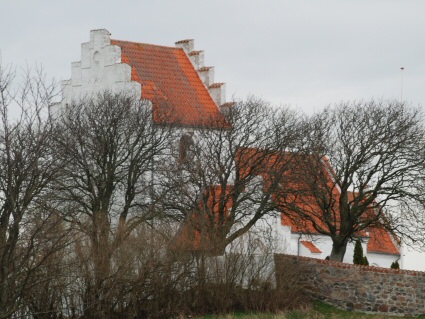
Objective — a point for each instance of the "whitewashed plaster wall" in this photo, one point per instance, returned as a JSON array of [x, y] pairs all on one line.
[[324, 243], [99, 70], [382, 260]]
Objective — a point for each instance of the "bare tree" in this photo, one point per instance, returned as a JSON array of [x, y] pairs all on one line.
[[28, 165], [111, 144], [48, 236], [221, 180], [362, 166]]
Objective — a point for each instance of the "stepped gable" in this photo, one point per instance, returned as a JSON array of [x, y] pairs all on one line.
[[171, 82]]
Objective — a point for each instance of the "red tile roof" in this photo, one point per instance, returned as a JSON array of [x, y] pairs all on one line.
[[253, 161], [170, 81], [296, 195], [310, 246], [380, 240], [200, 230]]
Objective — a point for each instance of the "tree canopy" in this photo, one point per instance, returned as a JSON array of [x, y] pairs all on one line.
[[361, 166]]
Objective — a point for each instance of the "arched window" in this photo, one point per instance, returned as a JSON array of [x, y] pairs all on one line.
[[185, 147]]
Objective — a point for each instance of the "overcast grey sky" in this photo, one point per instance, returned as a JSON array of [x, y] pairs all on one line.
[[302, 53]]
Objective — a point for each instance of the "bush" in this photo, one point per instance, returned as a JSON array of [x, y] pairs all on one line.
[[358, 253], [358, 258], [395, 265]]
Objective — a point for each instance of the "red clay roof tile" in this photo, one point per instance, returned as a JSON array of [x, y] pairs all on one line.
[[170, 81], [195, 52], [381, 242], [199, 231], [205, 68], [216, 85], [184, 41], [310, 246]]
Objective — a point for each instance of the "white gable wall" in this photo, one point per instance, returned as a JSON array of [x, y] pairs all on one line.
[[286, 242], [382, 260], [99, 70], [324, 243]]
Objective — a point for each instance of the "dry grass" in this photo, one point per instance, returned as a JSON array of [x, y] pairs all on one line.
[[317, 311]]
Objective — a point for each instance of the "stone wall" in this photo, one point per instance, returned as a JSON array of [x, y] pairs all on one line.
[[359, 288]]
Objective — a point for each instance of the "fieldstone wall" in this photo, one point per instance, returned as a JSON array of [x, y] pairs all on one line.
[[360, 288]]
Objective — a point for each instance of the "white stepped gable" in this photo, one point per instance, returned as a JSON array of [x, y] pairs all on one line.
[[206, 73], [100, 69]]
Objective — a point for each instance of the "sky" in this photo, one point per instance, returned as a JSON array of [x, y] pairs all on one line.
[[306, 54], [301, 53]]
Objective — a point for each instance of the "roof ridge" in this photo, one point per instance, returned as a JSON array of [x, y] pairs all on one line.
[[150, 44], [193, 103]]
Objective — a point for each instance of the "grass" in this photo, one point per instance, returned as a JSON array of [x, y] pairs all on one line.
[[316, 311]]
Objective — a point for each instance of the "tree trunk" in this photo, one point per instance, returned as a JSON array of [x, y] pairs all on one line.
[[338, 250]]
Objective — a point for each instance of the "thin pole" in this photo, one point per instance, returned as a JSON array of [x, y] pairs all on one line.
[[401, 85]]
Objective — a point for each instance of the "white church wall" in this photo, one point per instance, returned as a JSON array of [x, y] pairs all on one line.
[[412, 258], [99, 70], [322, 242], [381, 260]]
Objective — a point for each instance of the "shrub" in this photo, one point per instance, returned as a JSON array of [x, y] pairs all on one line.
[[358, 253], [358, 258]]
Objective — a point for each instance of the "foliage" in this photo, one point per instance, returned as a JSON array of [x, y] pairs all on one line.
[[29, 236], [361, 166], [358, 258], [97, 200], [105, 188], [358, 253], [230, 173], [317, 311], [395, 265]]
